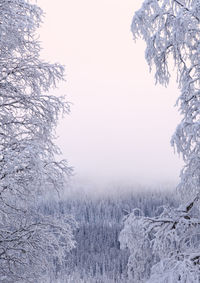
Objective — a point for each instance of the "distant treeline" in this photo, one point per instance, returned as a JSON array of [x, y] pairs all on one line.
[[100, 219]]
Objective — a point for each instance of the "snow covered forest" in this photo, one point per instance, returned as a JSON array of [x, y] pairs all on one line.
[[97, 256], [138, 237]]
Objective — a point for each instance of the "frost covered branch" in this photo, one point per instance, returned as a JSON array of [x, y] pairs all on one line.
[[29, 241], [171, 30]]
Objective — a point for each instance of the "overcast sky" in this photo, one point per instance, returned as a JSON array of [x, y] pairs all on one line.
[[120, 125]]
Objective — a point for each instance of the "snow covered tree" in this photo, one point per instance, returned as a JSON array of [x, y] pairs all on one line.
[[164, 248], [29, 242], [135, 238], [171, 30]]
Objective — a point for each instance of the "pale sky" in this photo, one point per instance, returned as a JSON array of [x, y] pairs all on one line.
[[120, 125]]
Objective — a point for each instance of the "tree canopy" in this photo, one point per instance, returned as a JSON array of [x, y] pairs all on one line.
[[171, 30], [28, 166]]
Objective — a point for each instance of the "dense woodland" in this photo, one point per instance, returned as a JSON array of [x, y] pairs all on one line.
[[97, 256]]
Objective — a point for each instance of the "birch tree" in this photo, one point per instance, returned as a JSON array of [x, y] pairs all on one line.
[[28, 164], [171, 30]]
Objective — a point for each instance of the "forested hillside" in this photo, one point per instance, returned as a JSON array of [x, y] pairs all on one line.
[[97, 255]]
